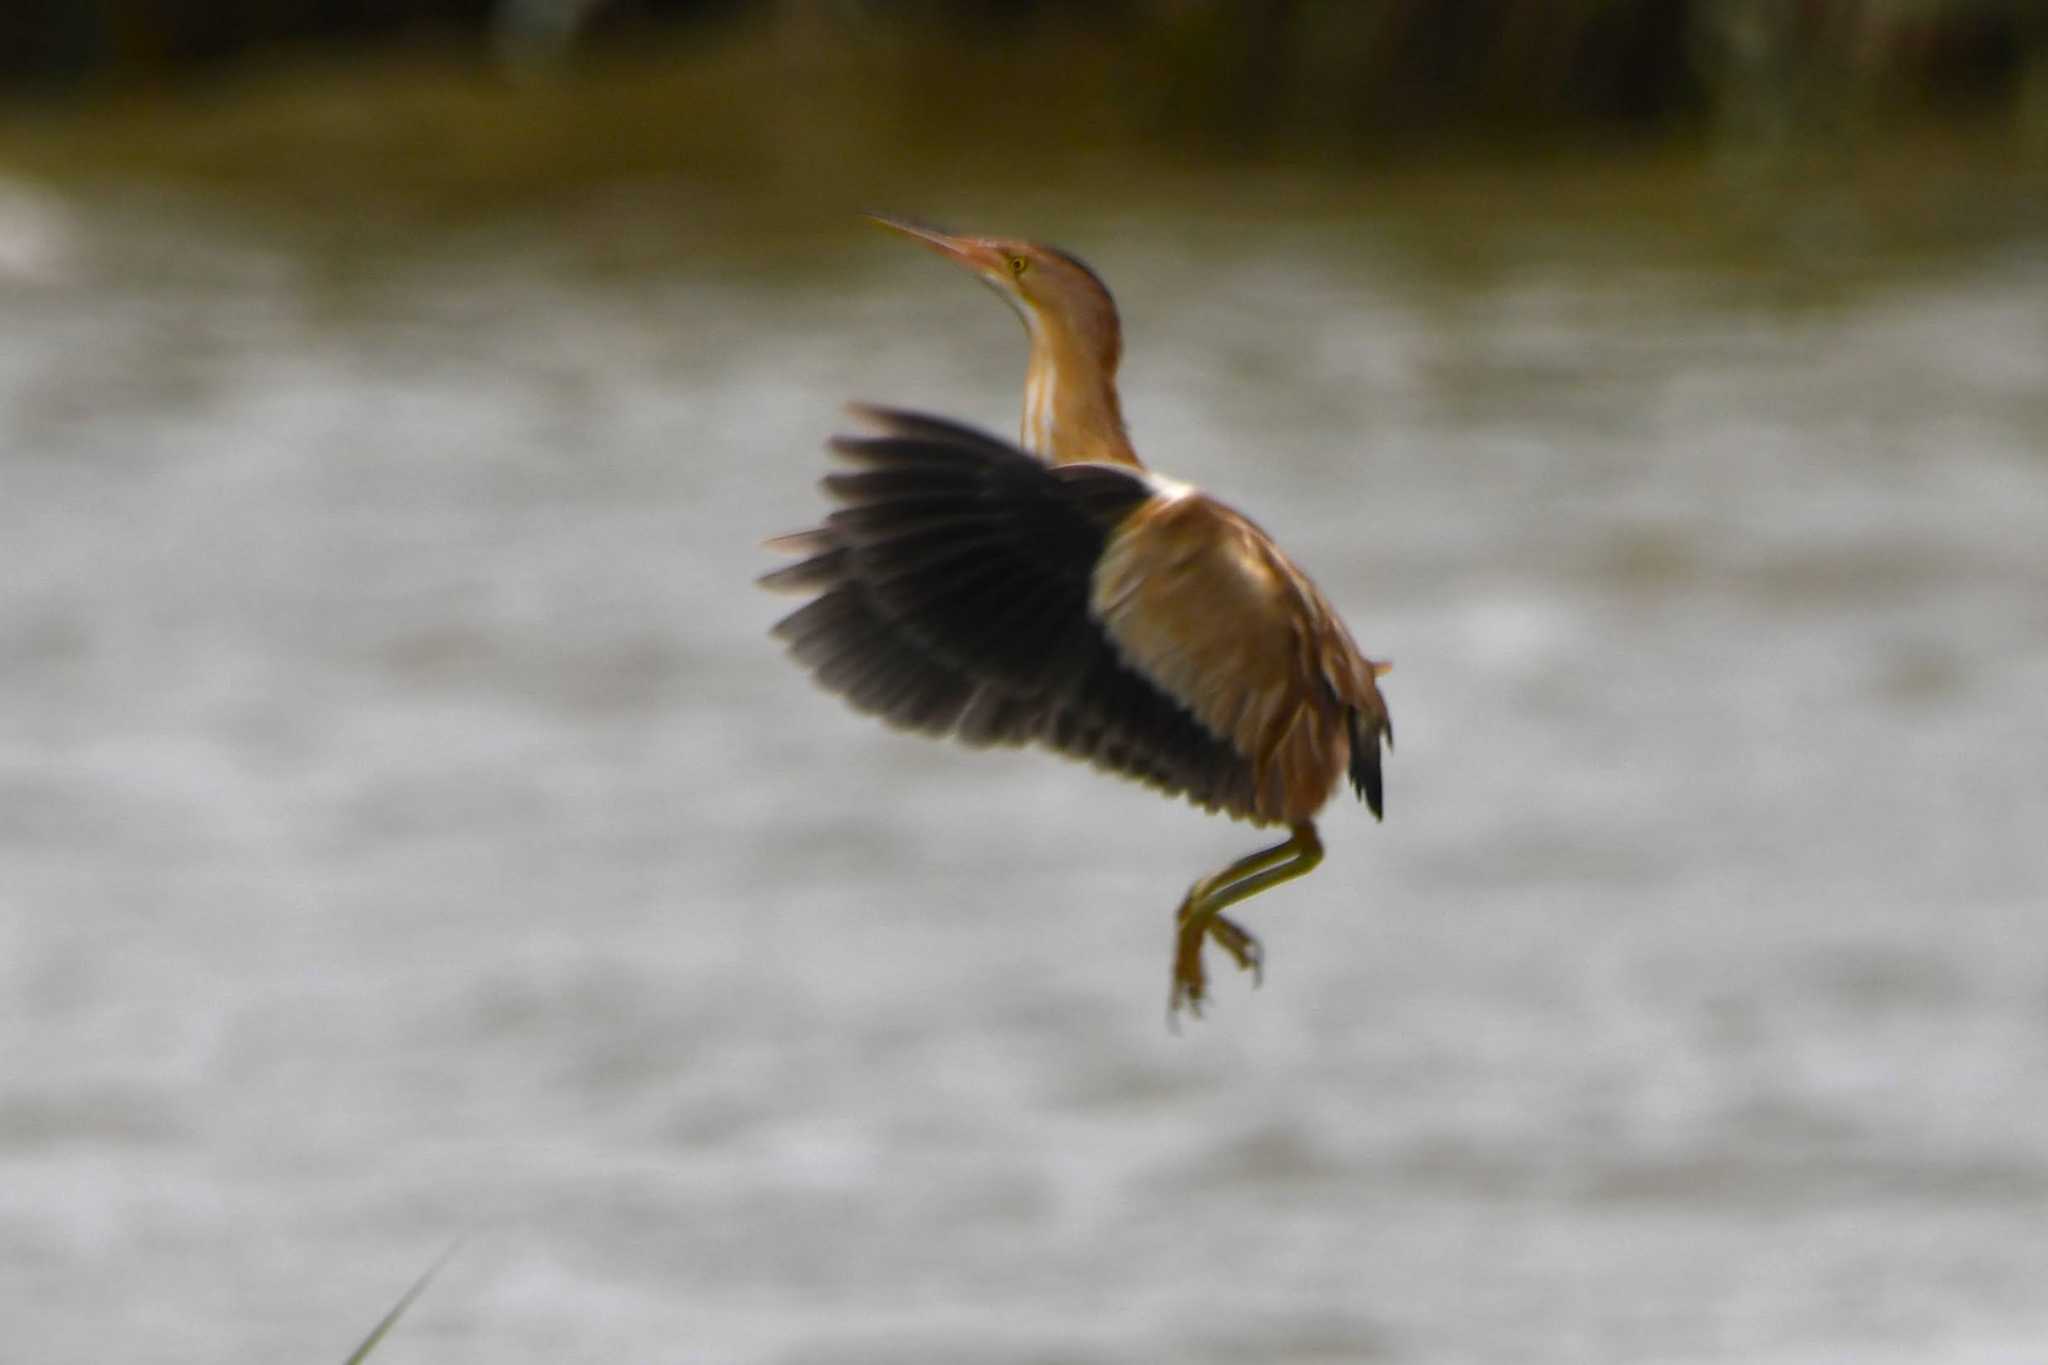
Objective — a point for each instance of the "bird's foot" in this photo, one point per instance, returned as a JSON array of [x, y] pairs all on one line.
[[1190, 978], [1241, 946]]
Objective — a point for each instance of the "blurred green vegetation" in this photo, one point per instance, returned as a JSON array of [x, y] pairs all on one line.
[[1372, 63], [450, 107]]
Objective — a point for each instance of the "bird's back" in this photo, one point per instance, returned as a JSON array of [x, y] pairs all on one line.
[[1202, 601]]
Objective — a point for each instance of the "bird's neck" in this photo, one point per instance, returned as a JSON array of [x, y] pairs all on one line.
[[1071, 411]]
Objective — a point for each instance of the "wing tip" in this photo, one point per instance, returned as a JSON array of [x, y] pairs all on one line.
[[895, 421], [822, 564], [899, 424], [798, 542]]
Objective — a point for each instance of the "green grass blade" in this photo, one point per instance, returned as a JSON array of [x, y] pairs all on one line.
[[390, 1319]]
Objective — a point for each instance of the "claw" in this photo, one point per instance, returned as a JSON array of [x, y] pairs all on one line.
[[1190, 980]]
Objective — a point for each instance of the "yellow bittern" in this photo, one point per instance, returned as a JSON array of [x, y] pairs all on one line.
[[1066, 596]]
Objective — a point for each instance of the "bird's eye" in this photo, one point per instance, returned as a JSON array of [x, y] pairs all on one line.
[[1018, 265]]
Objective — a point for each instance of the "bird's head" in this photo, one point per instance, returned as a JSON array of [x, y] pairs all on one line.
[[1065, 307]]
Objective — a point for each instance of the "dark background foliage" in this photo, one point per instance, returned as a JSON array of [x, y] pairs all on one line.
[[1246, 63]]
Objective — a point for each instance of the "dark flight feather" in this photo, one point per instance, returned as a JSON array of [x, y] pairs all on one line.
[[953, 584]]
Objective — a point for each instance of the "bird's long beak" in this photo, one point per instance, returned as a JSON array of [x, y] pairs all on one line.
[[971, 252]]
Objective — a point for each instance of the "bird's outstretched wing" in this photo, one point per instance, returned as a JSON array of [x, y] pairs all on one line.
[[960, 591]]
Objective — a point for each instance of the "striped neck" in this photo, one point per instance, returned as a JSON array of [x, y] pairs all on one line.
[[1071, 412]]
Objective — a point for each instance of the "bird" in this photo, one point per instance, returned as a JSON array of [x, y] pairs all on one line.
[[1059, 593]]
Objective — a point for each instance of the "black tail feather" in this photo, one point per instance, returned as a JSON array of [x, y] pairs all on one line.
[[1366, 733]]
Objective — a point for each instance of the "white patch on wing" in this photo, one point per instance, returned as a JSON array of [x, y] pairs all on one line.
[[1165, 489]]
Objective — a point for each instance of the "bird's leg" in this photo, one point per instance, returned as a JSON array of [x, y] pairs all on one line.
[[1201, 912], [1189, 977], [1235, 940]]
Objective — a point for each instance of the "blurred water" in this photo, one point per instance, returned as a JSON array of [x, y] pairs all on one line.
[[406, 829]]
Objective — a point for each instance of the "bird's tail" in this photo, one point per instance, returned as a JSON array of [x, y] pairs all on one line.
[[1366, 732]]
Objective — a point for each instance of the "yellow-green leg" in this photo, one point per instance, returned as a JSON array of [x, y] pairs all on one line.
[[1201, 912], [1234, 940]]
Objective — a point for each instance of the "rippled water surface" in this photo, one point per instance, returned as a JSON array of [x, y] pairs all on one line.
[[407, 831]]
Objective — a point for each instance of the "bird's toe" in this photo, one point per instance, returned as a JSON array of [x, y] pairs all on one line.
[[1241, 946], [1190, 979]]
